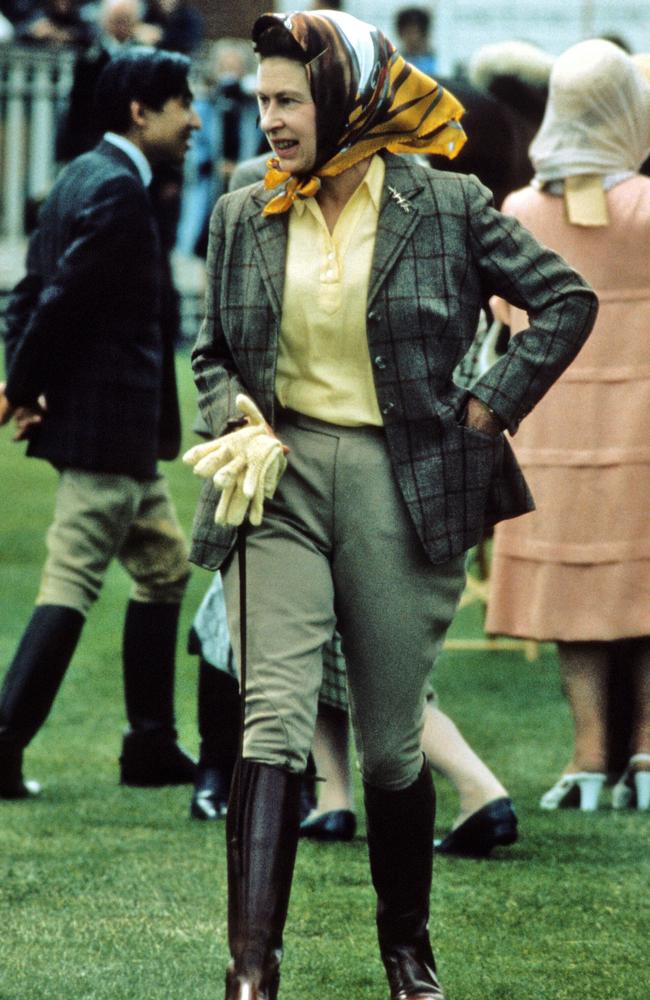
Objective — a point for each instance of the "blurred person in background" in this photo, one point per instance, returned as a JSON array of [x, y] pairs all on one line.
[[58, 23], [91, 384], [515, 74], [116, 27], [175, 25], [577, 571], [229, 133], [413, 26]]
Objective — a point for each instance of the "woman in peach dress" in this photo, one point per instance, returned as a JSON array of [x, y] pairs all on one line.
[[577, 570]]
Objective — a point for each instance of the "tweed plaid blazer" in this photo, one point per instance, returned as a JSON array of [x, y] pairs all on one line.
[[441, 250]]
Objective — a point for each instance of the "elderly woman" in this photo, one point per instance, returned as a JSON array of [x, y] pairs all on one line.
[[341, 295], [578, 570]]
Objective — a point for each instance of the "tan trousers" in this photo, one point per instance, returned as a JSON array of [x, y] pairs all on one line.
[[99, 516], [337, 545]]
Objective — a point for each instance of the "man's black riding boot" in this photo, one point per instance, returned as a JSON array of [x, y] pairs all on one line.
[[262, 833], [150, 754], [30, 687], [400, 845], [218, 721]]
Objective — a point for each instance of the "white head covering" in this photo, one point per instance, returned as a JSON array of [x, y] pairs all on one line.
[[597, 119], [642, 60], [526, 62]]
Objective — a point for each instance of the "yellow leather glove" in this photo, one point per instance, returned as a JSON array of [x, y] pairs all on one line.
[[245, 465]]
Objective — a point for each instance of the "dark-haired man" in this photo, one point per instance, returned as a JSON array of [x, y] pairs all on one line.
[[91, 383], [413, 26]]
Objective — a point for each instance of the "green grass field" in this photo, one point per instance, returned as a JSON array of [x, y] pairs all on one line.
[[109, 892]]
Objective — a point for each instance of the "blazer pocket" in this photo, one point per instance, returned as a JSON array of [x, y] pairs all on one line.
[[482, 456], [452, 418], [481, 434], [470, 460]]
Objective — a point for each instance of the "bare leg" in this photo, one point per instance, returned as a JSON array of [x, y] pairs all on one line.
[[446, 749], [585, 676], [331, 750], [450, 754]]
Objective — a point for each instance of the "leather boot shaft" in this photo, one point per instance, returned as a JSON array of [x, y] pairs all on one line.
[[262, 829], [400, 848], [36, 672], [149, 666]]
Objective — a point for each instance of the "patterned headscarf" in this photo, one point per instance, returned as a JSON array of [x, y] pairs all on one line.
[[367, 98]]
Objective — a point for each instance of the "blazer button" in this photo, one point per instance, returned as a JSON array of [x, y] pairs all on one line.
[[380, 362], [373, 317], [387, 408]]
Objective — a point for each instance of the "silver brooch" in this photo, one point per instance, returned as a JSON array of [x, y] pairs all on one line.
[[400, 199]]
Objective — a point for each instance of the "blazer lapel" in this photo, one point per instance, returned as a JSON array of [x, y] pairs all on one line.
[[270, 235], [398, 218]]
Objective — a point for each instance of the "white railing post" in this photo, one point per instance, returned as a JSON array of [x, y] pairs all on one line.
[[34, 86], [13, 186], [42, 128]]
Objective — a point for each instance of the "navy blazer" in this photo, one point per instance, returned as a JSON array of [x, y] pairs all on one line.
[[441, 250], [83, 326]]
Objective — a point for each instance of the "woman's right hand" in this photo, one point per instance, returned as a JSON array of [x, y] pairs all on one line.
[[246, 465]]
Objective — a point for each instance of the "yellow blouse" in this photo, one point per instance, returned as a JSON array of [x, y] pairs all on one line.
[[324, 367]]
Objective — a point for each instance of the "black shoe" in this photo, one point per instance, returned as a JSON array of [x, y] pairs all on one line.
[[21, 790], [211, 792], [339, 824], [12, 783], [495, 825], [149, 762]]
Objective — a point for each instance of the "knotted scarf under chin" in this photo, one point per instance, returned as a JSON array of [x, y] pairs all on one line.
[[392, 105], [295, 187]]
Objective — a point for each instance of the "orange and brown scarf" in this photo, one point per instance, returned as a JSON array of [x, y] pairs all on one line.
[[367, 98]]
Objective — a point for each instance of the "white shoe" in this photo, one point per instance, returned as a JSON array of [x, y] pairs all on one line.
[[633, 787], [588, 784]]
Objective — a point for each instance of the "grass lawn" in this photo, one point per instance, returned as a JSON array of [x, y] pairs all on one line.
[[108, 892]]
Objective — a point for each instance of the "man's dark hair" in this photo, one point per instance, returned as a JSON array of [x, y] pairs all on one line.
[[413, 15], [151, 76]]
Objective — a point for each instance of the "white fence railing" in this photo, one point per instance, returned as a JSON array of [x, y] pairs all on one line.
[[34, 86]]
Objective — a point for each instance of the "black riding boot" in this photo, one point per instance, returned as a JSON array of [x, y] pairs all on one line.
[[262, 832], [150, 753], [30, 687], [218, 720], [400, 845]]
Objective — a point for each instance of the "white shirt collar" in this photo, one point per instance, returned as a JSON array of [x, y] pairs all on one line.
[[135, 154]]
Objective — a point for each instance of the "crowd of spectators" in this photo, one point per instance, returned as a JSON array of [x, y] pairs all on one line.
[[169, 24]]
